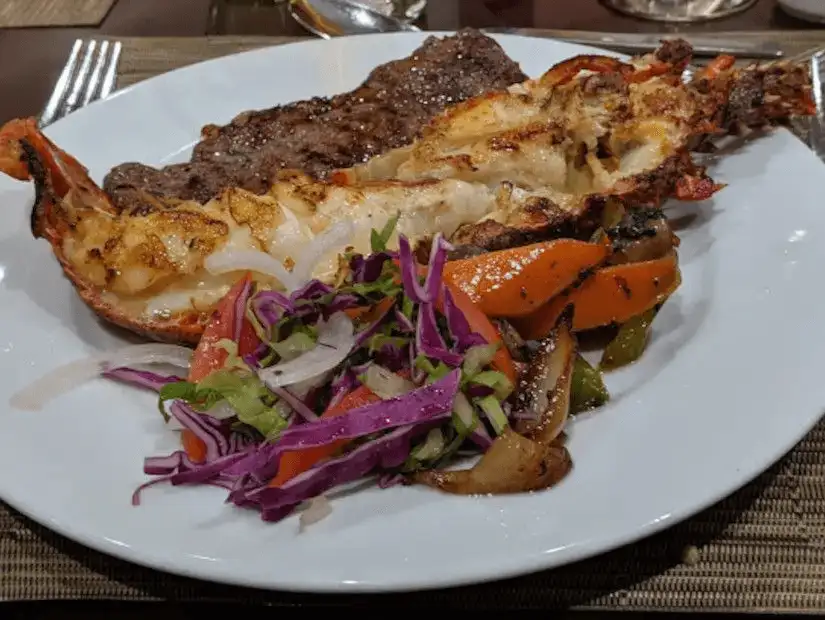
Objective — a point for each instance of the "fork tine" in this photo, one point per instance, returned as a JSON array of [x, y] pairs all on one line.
[[80, 82], [110, 78], [96, 74], [62, 85], [89, 74]]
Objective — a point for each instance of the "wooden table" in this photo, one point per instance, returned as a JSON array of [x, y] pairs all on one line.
[[32, 57]]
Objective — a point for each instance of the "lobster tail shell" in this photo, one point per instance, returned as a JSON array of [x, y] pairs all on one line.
[[27, 154], [43, 191]]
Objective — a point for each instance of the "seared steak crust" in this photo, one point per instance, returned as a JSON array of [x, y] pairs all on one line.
[[321, 134]]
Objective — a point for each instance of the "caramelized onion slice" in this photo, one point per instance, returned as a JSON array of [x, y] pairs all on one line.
[[534, 458], [545, 388], [513, 464]]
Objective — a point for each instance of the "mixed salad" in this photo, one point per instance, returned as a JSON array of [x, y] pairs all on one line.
[[395, 371]]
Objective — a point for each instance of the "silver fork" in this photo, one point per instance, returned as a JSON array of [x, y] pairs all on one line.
[[89, 74]]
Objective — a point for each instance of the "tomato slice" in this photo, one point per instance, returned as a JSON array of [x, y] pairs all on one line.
[[480, 324], [299, 461], [209, 357]]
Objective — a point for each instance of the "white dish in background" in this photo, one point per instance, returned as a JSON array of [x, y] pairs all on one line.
[[809, 10], [732, 379]]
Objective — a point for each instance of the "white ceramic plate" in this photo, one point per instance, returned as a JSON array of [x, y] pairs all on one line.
[[809, 10], [732, 380]]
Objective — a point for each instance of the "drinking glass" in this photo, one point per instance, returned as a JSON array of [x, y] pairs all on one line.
[[679, 10]]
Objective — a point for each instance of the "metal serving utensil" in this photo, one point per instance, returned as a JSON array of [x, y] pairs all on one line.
[[335, 18]]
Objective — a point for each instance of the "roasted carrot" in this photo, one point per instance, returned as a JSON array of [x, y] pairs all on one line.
[[193, 446], [518, 281], [610, 295], [299, 461]]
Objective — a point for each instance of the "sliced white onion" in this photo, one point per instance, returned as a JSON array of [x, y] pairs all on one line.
[[336, 339], [333, 238], [227, 261], [69, 376], [303, 388], [317, 508], [385, 383]]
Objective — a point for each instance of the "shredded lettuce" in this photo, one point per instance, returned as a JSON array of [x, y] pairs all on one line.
[[495, 380], [434, 373], [233, 360], [476, 358], [407, 307], [450, 450], [253, 403], [260, 330], [464, 418], [384, 286], [378, 341], [492, 407], [432, 447], [379, 240]]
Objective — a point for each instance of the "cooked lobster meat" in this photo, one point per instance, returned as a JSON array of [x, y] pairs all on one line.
[[550, 157]]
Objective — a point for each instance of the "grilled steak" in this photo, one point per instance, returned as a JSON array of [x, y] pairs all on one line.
[[322, 134]]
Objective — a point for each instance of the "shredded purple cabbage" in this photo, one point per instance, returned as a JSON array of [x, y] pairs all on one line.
[[345, 383], [244, 465], [459, 327], [427, 293], [269, 308], [481, 437], [425, 404], [393, 357], [409, 273], [340, 303], [387, 452], [367, 269], [296, 403], [240, 310], [210, 433], [165, 465], [428, 340], [311, 291], [435, 268], [405, 325], [254, 359], [141, 378]]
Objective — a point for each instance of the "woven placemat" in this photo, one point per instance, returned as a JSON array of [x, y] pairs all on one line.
[[33, 13], [761, 549]]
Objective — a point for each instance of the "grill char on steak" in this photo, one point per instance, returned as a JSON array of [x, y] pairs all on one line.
[[322, 134]]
